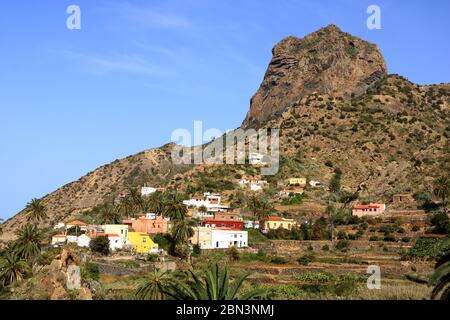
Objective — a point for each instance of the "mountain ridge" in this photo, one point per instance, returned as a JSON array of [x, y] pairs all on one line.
[[386, 134]]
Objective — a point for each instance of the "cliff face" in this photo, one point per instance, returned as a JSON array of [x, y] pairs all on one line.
[[327, 61]]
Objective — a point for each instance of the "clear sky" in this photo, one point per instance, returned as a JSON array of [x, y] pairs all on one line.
[[72, 100]]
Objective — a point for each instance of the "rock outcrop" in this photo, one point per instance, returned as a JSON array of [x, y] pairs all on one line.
[[327, 61]]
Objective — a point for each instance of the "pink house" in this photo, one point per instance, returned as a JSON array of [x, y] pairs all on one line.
[[372, 209], [150, 226]]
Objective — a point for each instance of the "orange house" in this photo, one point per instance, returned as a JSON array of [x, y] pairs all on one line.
[[150, 226]]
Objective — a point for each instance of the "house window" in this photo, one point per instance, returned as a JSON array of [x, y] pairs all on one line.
[[144, 240]]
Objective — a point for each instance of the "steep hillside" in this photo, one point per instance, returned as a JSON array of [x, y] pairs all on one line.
[[337, 108], [153, 167]]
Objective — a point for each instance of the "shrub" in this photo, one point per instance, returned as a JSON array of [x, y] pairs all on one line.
[[151, 257], [100, 245], [328, 163], [342, 235], [389, 238], [429, 248], [400, 230], [278, 260], [306, 259], [326, 247], [415, 228], [90, 271], [196, 249], [387, 228], [163, 240], [233, 254], [342, 245], [406, 239]]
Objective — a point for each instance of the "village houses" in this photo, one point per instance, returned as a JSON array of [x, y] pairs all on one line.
[[372, 209], [273, 223], [301, 182]]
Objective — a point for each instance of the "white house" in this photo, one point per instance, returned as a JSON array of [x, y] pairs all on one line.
[[250, 180], [145, 191], [315, 184], [212, 202], [222, 238], [116, 242], [81, 241], [255, 187], [60, 225], [58, 240], [250, 224], [202, 215]]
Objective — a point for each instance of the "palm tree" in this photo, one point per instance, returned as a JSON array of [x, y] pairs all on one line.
[[136, 198], [259, 207], [213, 284], [125, 207], [441, 278], [174, 208], [442, 190], [29, 242], [12, 269], [155, 202], [36, 211], [264, 211], [109, 214], [203, 209], [183, 230], [156, 286]]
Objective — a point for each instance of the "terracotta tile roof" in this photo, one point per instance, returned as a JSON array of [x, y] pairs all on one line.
[[367, 206], [77, 223], [109, 235]]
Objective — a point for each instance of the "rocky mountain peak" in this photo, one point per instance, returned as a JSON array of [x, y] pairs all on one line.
[[328, 61]]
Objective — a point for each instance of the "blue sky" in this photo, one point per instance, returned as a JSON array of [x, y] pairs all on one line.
[[72, 100]]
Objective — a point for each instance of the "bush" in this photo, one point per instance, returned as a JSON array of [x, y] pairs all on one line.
[[406, 239], [342, 235], [196, 250], [373, 238], [326, 247], [100, 245], [400, 230], [249, 256], [415, 228], [90, 271], [389, 238], [387, 228], [342, 245], [152, 257], [306, 259], [429, 248], [278, 260], [233, 254], [163, 240]]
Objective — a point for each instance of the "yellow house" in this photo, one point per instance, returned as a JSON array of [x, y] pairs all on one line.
[[278, 222], [297, 181], [142, 242], [202, 237], [119, 229]]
